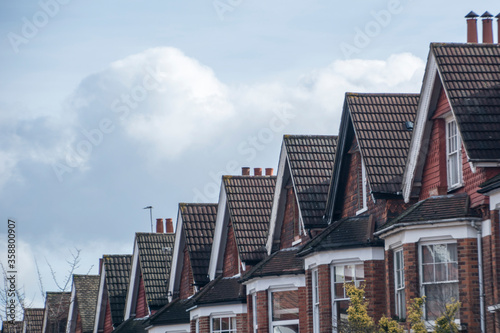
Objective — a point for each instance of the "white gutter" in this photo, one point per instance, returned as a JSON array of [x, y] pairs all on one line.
[[480, 268]]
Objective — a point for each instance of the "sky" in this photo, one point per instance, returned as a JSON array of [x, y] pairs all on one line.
[[107, 107]]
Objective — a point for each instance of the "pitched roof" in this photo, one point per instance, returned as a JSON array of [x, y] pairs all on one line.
[[379, 122], [87, 289], [491, 184], [434, 208], [155, 260], [470, 74], [311, 162], [199, 224], [57, 305], [33, 320], [356, 231], [250, 199], [8, 327], [221, 290], [117, 272], [283, 262], [174, 312], [132, 325]]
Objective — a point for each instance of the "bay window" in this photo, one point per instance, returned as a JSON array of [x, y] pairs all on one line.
[[284, 307], [439, 277], [223, 325], [341, 274]]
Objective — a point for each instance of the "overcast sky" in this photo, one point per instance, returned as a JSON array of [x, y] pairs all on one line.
[[110, 106]]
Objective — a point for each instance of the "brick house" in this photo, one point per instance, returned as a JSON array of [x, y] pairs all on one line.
[[436, 248], [148, 283], [33, 320], [82, 308], [114, 280], [55, 315]]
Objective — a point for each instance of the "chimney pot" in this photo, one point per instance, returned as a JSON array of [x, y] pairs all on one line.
[[257, 171], [269, 171], [487, 28], [471, 27], [245, 171], [159, 226], [170, 226]]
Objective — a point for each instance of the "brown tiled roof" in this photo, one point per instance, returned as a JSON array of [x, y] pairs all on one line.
[[221, 290], [155, 257], [87, 289], [471, 78], [435, 208], [117, 268], [56, 307], [311, 163], [132, 325], [174, 312], [356, 231], [8, 327], [380, 125], [250, 200], [33, 320], [283, 262], [199, 224], [491, 184]]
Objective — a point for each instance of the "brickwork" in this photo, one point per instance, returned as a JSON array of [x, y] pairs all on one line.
[[375, 287], [303, 307], [108, 321], [306, 318], [353, 195], [186, 288], [78, 326], [410, 255], [262, 312], [468, 287], [231, 260], [390, 310], [290, 226], [204, 324], [250, 314], [241, 323], [141, 309], [325, 298]]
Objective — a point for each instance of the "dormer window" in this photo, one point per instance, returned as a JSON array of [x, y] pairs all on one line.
[[454, 154]]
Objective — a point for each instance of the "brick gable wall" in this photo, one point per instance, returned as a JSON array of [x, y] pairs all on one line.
[[186, 288], [290, 226], [353, 194], [108, 320], [141, 309], [231, 257], [78, 326]]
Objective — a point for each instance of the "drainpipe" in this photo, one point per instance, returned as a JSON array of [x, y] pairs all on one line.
[[480, 269]]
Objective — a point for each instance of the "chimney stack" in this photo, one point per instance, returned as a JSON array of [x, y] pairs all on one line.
[[471, 27], [170, 226], [257, 171], [498, 27], [487, 28], [245, 171], [269, 171], [159, 226], [100, 265]]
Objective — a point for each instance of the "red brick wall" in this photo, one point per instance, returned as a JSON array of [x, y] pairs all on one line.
[[262, 312], [375, 287], [390, 309], [141, 309], [303, 309], [250, 313], [468, 287], [412, 287], [325, 298], [353, 191], [306, 318], [78, 326], [204, 325], [290, 226], [241, 323], [108, 320], [186, 288], [231, 259]]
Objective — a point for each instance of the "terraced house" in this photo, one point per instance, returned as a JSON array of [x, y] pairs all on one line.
[[404, 201]]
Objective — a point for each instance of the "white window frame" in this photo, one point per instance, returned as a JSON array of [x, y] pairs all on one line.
[[272, 323], [254, 312], [197, 325], [363, 190], [453, 153], [315, 299], [399, 288], [430, 322], [231, 330], [332, 283]]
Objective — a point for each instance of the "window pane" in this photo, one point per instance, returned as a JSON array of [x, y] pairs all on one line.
[[339, 273], [452, 252], [216, 323], [360, 272], [438, 295], [285, 305], [339, 290], [286, 329], [441, 253], [428, 273], [224, 323], [348, 273], [233, 323], [453, 271], [440, 272], [427, 254]]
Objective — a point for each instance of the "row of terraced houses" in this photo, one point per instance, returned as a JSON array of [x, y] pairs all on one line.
[[404, 200]]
